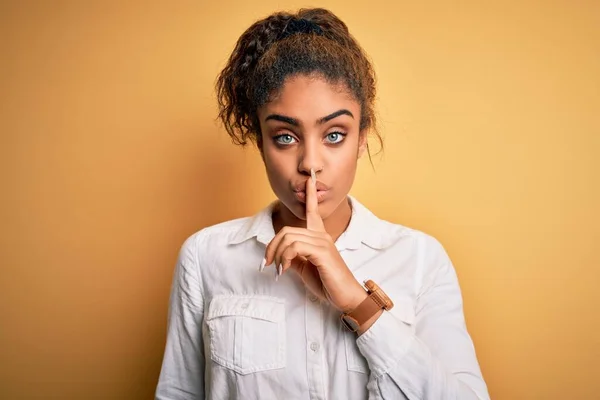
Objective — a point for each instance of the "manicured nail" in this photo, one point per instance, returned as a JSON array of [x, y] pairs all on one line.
[[262, 265], [313, 175]]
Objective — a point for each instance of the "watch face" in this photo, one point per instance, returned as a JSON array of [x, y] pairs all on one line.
[[350, 323]]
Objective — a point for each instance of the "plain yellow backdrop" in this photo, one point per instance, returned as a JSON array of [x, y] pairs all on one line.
[[110, 157]]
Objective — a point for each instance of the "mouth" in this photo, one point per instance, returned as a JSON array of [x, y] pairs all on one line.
[[299, 190], [321, 195], [301, 186]]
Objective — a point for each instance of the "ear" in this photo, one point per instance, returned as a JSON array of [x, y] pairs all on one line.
[[362, 143]]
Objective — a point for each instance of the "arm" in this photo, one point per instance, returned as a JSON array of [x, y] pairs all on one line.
[[182, 373], [438, 360]]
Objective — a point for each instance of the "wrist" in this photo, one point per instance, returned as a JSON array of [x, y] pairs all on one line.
[[364, 309], [359, 294], [365, 327]]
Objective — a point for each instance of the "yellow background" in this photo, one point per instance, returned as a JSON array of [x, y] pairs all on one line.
[[110, 157]]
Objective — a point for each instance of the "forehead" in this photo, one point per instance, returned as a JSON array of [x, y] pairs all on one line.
[[310, 98]]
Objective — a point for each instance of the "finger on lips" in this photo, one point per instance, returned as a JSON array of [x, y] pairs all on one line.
[[294, 242], [313, 219]]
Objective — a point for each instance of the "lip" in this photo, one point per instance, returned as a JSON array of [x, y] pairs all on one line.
[[301, 186], [321, 195]]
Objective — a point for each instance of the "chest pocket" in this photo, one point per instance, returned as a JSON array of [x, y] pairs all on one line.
[[247, 333], [403, 310]]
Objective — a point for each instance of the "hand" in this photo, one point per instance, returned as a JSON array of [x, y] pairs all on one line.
[[312, 254]]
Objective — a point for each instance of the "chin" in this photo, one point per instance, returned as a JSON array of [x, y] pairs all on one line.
[[295, 207]]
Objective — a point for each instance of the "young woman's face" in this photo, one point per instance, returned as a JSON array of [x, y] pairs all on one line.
[[311, 124]]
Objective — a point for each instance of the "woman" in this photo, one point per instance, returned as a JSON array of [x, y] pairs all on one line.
[[273, 306]]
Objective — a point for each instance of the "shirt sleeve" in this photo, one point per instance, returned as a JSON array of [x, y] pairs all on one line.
[[436, 358], [182, 373]]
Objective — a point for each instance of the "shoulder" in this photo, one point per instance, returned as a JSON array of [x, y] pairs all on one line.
[[432, 264], [417, 239], [428, 253], [382, 234], [214, 236]]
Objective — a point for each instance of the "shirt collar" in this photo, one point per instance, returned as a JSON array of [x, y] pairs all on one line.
[[364, 228]]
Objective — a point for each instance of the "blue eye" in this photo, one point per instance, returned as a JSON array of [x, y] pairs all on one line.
[[284, 139], [335, 137]]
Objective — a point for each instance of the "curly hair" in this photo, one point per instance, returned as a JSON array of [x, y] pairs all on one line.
[[312, 41]]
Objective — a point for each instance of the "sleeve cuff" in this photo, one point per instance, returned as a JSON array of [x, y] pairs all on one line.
[[386, 341]]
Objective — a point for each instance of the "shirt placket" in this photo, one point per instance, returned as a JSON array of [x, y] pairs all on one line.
[[314, 347]]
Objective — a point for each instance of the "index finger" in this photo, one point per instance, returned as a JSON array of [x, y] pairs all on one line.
[[313, 219]]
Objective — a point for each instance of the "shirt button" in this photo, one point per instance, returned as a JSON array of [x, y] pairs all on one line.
[[314, 346], [313, 298]]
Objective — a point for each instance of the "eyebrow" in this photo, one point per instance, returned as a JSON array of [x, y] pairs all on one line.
[[320, 121]]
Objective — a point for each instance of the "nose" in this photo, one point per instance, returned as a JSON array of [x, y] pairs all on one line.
[[310, 156]]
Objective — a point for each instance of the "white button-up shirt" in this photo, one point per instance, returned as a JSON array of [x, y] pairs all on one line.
[[236, 333]]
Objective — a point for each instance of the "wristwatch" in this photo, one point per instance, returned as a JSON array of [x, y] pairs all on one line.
[[376, 301]]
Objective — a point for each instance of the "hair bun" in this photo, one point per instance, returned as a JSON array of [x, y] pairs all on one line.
[[300, 25]]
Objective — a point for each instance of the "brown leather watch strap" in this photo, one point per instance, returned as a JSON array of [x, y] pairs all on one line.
[[365, 310], [377, 300]]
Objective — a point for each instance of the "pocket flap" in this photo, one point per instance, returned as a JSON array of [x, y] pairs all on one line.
[[260, 307], [404, 310]]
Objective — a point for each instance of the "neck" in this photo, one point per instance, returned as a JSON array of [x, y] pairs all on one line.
[[335, 224]]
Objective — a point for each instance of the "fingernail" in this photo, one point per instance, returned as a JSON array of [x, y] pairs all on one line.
[[313, 175], [262, 265]]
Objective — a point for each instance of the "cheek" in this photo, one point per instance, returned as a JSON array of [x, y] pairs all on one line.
[[278, 167], [345, 161], [343, 169]]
